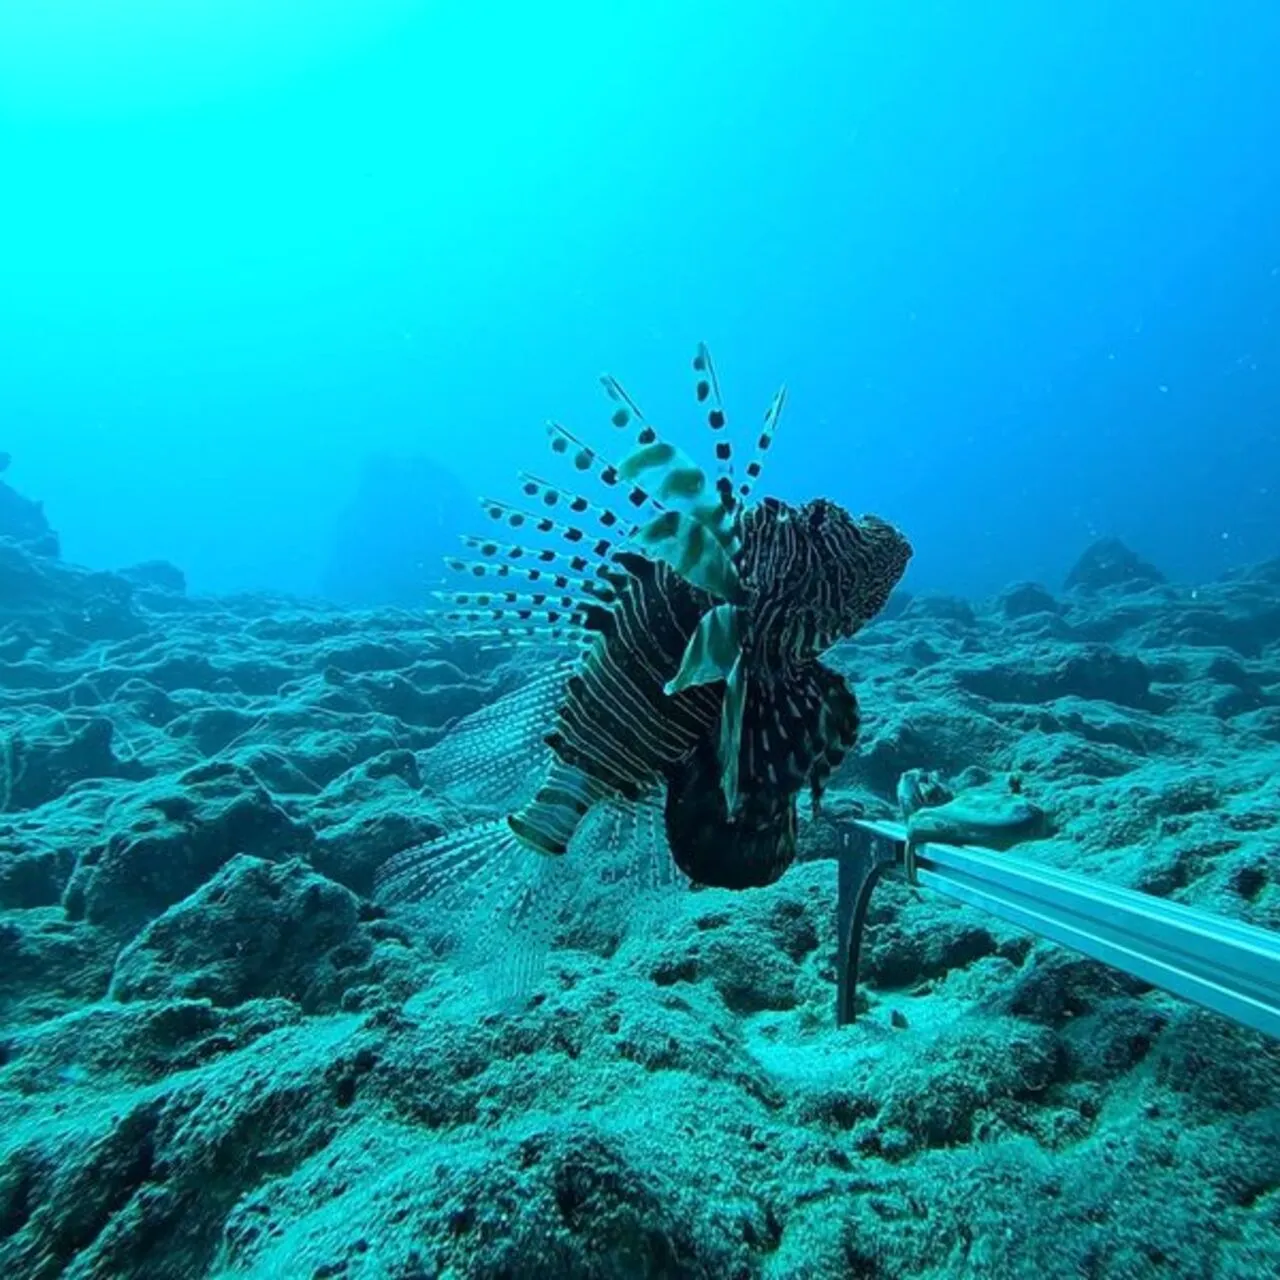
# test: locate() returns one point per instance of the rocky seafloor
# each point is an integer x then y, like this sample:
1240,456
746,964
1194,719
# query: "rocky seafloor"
218,1056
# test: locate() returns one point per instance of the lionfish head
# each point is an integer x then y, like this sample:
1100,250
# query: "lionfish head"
814,574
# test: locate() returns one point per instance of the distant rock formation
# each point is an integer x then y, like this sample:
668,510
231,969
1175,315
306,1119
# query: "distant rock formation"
23,520
1109,563
1024,599
390,541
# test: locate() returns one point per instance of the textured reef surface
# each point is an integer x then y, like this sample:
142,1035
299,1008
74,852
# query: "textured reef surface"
219,1057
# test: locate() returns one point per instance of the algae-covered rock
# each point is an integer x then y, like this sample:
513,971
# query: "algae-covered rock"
256,930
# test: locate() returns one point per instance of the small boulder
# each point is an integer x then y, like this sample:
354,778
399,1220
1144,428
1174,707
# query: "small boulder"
1025,599
1109,563
258,929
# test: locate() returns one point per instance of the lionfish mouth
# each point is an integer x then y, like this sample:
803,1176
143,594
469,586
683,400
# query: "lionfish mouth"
688,622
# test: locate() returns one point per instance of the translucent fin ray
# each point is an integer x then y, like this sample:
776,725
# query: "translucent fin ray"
496,755
555,570
550,625
509,899
629,841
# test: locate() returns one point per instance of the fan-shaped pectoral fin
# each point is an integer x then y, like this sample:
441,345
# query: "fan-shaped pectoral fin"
694,548
712,652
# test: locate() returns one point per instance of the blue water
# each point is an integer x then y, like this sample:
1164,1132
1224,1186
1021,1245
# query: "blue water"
1018,263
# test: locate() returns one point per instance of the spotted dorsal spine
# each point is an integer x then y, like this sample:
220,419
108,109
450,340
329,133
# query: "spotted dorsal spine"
763,443
706,390
586,459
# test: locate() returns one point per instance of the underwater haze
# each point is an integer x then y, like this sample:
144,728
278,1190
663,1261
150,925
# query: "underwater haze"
534,929
1017,264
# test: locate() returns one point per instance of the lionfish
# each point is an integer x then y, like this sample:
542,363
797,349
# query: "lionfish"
695,620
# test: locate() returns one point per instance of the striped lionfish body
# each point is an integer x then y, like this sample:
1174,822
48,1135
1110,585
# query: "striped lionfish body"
696,625
812,576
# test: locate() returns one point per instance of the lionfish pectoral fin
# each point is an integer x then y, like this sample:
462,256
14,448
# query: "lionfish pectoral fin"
496,754
694,551
712,650
731,716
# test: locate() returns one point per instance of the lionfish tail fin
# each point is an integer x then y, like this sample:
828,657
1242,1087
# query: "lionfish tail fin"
506,899
444,871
